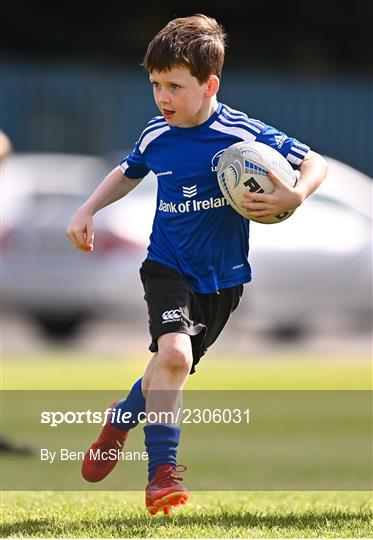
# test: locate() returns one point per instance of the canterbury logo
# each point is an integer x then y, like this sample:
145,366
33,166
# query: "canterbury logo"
171,315
189,191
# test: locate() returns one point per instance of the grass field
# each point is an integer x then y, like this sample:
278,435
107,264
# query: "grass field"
211,515
208,514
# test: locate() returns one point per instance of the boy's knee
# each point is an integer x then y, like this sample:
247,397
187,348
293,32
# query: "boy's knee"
176,354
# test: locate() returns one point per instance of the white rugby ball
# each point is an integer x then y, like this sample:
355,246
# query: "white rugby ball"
244,167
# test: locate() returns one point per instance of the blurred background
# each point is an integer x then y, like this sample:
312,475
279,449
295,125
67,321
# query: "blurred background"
74,98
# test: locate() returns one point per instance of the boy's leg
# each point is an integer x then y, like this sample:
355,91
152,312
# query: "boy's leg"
164,399
114,434
148,374
170,367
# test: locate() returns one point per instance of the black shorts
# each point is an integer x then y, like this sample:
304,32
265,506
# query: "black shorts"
174,307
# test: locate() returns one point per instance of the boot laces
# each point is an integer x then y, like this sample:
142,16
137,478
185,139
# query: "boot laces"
164,480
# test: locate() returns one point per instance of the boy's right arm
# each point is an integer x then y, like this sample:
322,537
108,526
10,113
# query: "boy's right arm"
80,232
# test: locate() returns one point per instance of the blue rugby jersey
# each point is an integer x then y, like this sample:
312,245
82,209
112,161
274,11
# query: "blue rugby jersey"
195,231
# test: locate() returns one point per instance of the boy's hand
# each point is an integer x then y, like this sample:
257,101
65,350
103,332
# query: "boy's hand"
80,231
284,198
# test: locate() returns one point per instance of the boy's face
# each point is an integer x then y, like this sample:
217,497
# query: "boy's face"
180,97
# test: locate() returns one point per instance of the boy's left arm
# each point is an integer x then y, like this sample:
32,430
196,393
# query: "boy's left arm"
284,198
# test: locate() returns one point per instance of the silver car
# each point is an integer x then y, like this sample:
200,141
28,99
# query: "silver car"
42,274
314,271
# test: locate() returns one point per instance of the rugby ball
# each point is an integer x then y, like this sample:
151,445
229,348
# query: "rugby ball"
244,167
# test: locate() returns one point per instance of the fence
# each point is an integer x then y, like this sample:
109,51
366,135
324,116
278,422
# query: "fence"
85,108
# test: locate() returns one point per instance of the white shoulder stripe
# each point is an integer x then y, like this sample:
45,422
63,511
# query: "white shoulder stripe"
235,131
151,128
235,116
257,123
151,136
155,119
232,111
241,121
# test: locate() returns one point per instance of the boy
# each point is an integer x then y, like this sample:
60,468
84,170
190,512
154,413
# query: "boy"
197,264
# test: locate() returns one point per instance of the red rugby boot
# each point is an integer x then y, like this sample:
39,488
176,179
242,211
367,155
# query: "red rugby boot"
164,490
98,462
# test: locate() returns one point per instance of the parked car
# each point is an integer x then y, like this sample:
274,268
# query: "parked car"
310,270
44,276
315,269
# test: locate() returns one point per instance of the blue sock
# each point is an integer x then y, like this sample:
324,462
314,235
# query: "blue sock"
161,443
134,403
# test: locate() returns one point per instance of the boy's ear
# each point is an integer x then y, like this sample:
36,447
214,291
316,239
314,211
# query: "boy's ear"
213,84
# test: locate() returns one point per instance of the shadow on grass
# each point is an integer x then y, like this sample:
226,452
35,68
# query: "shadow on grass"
221,523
